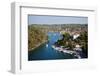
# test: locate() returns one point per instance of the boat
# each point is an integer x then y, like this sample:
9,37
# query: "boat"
46,45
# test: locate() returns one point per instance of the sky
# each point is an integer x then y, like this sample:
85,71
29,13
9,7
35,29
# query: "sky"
36,19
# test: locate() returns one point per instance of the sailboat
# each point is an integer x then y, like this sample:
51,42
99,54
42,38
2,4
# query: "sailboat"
46,45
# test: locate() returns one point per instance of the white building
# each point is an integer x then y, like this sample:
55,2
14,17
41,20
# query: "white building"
76,36
78,48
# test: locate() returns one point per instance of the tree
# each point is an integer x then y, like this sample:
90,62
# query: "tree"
66,36
35,36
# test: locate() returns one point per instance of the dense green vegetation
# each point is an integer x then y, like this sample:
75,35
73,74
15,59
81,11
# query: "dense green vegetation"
35,37
83,40
68,42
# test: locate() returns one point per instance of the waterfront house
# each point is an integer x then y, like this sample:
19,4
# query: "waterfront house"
75,36
78,48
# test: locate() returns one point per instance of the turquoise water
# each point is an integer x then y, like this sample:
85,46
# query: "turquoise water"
48,53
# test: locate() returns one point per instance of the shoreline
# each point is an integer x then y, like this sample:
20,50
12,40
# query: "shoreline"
37,46
66,51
